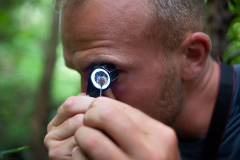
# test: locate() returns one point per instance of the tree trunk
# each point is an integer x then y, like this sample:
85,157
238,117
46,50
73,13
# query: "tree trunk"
218,22
39,123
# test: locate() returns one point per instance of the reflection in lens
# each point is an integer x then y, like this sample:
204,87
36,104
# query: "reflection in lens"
101,78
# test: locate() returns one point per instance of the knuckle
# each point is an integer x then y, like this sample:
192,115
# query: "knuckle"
77,120
46,140
49,127
68,104
168,133
171,136
108,114
55,152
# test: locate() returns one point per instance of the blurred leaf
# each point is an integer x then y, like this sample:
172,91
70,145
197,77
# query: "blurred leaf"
12,151
233,36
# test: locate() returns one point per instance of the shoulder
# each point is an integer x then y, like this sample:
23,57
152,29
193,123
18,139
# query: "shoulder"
237,76
237,68
237,84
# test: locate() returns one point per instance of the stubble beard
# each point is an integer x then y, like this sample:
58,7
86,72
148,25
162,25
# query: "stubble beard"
170,101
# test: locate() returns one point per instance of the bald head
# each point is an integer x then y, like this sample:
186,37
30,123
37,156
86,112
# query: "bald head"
170,21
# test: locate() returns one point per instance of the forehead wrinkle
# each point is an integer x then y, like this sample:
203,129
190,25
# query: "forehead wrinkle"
87,24
85,62
108,17
87,44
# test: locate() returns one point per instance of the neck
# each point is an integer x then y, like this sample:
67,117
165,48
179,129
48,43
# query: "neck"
199,101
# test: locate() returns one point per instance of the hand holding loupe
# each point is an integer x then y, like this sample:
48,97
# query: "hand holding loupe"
101,78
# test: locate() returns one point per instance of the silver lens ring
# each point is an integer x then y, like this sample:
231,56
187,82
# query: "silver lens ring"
93,78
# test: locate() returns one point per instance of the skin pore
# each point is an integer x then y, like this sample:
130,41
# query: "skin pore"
178,90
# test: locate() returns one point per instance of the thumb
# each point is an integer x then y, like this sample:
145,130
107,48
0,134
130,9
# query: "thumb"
81,94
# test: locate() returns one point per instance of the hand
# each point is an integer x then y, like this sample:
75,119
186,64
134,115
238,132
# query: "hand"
60,138
115,131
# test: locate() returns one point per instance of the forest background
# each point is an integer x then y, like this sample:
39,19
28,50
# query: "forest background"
34,80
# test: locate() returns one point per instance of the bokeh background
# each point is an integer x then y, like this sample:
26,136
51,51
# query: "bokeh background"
34,80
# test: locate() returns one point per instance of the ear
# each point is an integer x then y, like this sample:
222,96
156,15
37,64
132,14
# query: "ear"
196,49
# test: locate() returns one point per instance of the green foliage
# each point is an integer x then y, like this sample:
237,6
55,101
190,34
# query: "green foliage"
232,52
234,6
25,27
66,82
62,75
2,153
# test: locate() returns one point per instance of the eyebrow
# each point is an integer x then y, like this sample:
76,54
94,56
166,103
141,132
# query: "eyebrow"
87,66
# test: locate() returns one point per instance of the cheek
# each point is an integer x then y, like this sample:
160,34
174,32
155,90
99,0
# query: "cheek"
136,90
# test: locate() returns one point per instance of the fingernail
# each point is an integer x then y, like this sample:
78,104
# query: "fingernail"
74,149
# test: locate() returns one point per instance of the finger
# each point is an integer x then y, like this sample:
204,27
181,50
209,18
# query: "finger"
67,128
97,146
82,94
71,107
130,128
138,117
77,154
61,149
114,122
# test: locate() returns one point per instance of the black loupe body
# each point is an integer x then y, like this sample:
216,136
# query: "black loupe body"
101,78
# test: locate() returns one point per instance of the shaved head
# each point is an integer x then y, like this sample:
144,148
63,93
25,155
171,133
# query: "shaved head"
174,20
171,20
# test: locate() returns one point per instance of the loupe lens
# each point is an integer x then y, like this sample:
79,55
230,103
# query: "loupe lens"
101,77
100,74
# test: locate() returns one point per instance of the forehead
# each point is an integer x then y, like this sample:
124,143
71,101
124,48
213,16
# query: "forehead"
90,18
105,31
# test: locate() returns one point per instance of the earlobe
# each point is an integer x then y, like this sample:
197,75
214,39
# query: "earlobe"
197,48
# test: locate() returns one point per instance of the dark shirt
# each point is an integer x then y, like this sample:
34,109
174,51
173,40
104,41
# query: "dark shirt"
230,145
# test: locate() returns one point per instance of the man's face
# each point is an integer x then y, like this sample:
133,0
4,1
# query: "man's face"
114,32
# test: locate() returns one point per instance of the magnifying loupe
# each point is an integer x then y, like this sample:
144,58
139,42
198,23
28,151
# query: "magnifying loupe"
101,78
